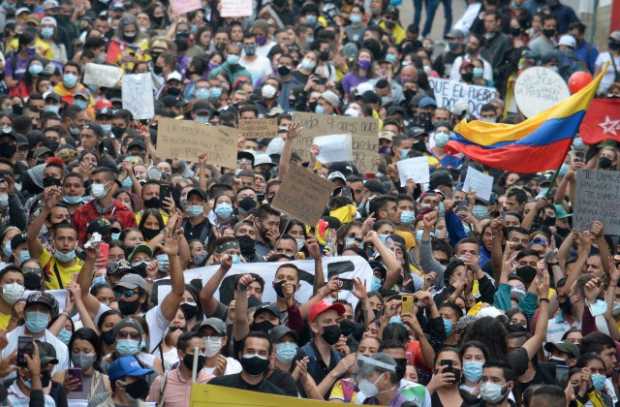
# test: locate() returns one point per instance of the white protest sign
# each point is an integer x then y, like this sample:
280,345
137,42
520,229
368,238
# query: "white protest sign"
236,8
478,182
180,7
415,168
448,92
334,148
99,75
138,95
537,89
348,267
597,197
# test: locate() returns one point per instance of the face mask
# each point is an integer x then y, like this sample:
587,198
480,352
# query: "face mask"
246,245
355,18
598,381
65,257
140,267
98,190
384,238
213,344
319,109
254,364
264,326
364,64
286,351
250,50
232,59
491,392
128,307
138,389
216,92
83,360
517,293
407,217
108,337
284,70
369,388
82,104
472,369
98,280
188,362
348,327
35,69
72,200
447,325
6,249
478,72
199,259
396,320
195,210
127,346
36,321
69,80
247,204
350,242
117,131
480,211
268,91
613,45
441,138
24,256
376,284
604,163
4,200
300,243
107,128
235,258
12,292
64,336
331,334
549,32
224,210
201,93
307,64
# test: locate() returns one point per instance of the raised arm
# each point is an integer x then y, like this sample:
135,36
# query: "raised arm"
315,252
533,344
388,257
241,325
170,246
294,130
598,232
51,198
208,303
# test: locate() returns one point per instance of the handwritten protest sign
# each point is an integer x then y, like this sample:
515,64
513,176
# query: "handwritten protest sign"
364,131
138,95
236,8
415,168
537,89
303,195
334,148
258,128
478,182
180,7
186,140
102,75
597,197
448,92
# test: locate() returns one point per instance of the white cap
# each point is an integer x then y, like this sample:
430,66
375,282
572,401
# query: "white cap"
568,40
174,76
275,146
262,158
49,21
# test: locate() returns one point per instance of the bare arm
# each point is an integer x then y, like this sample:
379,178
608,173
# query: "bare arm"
85,277
241,325
533,344
496,250
388,257
203,179
294,130
315,252
170,246
51,197
584,246
610,296
207,301
531,215
599,237
564,250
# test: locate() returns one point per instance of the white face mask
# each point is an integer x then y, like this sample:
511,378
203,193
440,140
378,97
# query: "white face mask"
12,292
213,344
268,91
98,190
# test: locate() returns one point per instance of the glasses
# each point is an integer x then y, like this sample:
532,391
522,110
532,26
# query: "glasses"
125,292
540,241
128,335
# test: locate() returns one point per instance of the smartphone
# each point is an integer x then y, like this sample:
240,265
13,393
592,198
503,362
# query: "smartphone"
449,368
50,182
25,346
561,373
345,284
407,304
580,155
75,373
164,191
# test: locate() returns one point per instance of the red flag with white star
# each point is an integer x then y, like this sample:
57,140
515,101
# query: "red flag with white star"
601,122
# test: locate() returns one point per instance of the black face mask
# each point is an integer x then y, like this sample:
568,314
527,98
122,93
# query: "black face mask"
157,70
7,150
138,389
188,362
549,221
149,234
32,281
264,326
284,70
548,32
254,365
181,42
247,246
324,55
401,367
117,131
526,273
277,286
467,76
51,144
108,337
604,163
331,334
347,326
189,310
139,269
247,204
516,328
152,203
128,307
46,376
613,45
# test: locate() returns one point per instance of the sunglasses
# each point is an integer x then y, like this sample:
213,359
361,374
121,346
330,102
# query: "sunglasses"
125,292
128,335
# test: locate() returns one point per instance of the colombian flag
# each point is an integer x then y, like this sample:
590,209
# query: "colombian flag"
537,144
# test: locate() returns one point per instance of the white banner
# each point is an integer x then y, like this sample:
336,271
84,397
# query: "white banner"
448,92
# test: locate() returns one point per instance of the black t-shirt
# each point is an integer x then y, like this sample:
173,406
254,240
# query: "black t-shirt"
237,382
284,381
545,374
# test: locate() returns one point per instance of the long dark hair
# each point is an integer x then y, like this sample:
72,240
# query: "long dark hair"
87,334
496,343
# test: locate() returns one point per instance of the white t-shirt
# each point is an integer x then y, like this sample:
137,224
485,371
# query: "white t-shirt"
260,68
455,74
608,79
232,367
16,398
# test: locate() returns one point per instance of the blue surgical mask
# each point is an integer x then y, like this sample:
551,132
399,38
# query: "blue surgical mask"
69,80
286,351
598,381
396,320
215,92
478,72
127,183
404,153
35,69
24,256
441,138
235,258
384,237
65,257
355,18
65,336
6,249
376,284
107,128
82,104
491,392
224,210
72,200
195,210
472,369
391,58
310,19
115,236
407,217
480,211
447,325
319,109
4,200
232,59
350,242
98,280
127,347
36,322
201,93
47,32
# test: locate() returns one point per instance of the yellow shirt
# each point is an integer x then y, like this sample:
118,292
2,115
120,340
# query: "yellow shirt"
41,47
164,216
49,264
4,321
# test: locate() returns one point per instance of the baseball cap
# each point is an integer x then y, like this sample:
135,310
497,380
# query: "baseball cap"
280,331
455,33
47,353
136,142
198,192
386,135
323,306
174,76
568,40
216,324
262,158
127,366
564,347
268,307
336,175
43,299
427,101
132,281
331,98
141,248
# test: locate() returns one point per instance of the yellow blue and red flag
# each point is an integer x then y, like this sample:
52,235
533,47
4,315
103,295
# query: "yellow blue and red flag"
539,143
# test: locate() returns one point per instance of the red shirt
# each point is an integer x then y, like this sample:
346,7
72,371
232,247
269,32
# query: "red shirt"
88,213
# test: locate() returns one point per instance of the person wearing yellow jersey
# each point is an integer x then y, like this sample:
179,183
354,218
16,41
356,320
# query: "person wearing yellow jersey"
151,199
12,282
61,264
70,85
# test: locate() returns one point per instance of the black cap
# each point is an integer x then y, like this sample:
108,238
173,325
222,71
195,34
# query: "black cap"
136,143
268,307
17,240
44,299
198,192
279,332
99,225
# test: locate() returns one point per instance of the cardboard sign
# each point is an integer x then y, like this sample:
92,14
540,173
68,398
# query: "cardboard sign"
597,197
99,75
415,168
138,95
303,195
537,89
334,148
478,182
448,92
186,140
364,131
258,128
180,7
236,8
